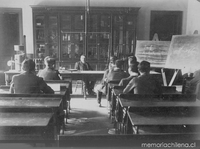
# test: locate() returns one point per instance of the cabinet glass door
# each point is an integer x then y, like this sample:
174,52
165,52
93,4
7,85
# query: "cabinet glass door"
130,34
92,46
104,48
98,37
72,36
118,36
53,37
72,45
40,36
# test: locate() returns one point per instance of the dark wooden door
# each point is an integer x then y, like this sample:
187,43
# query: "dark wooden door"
165,24
9,36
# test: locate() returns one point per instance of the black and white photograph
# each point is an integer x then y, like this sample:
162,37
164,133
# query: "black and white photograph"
102,74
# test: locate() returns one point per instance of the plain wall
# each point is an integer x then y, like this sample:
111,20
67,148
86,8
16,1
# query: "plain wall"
193,15
143,25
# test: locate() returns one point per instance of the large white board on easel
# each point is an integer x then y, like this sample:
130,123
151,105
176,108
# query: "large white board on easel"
154,52
184,52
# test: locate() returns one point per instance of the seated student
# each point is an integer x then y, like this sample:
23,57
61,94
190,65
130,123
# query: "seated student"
117,73
132,60
27,82
145,83
89,81
111,61
102,88
132,72
193,86
49,72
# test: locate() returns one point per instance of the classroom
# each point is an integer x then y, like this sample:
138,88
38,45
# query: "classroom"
99,73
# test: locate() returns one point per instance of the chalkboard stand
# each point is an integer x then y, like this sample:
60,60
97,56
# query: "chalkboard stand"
174,76
164,77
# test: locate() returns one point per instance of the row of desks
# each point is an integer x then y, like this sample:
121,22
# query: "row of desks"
72,74
38,116
31,113
175,110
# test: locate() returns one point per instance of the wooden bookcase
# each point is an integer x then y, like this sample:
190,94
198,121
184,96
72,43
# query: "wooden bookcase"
67,32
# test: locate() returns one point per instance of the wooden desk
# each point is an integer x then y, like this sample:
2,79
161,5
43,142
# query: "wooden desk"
166,102
9,74
26,123
25,119
79,75
160,119
64,94
62,87
63,91
40,103
154,104
35,103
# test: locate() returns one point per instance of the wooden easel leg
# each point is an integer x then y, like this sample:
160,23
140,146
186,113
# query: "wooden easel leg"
164,77
173,78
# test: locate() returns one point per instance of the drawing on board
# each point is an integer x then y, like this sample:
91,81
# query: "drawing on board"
154,52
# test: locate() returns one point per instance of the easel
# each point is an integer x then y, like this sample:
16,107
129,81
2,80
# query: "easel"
155,38
177,70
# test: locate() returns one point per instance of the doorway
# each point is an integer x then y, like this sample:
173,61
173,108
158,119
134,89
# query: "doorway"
10,33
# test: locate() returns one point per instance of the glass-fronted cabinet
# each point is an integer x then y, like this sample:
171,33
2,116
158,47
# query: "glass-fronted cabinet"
67,32
98,37
72,37
53,37
46,36
39,36
124,35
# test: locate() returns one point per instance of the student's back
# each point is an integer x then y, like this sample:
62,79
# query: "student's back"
145,83
117,73
49,73
27,82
